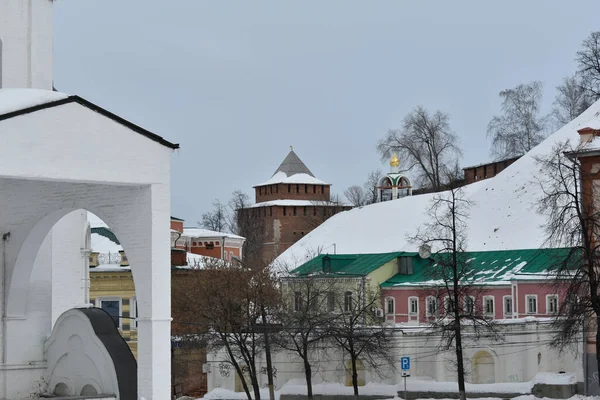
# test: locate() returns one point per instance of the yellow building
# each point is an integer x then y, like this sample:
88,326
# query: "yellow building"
111,283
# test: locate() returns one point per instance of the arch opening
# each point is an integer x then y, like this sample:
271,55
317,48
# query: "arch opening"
483,367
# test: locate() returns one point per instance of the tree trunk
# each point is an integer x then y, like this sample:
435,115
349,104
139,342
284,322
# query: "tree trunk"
597,343
308,376
459,361
354,378
268,357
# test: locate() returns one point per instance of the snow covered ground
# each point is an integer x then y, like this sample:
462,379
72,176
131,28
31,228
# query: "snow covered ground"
298,387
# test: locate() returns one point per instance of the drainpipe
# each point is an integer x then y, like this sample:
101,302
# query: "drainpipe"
4,296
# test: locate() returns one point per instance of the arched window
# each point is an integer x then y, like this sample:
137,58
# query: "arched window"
390,305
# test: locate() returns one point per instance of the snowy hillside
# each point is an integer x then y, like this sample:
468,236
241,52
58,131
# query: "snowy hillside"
503,216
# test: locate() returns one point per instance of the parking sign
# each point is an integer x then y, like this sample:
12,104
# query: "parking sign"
405,363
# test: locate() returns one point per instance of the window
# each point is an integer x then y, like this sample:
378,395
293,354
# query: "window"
294,211
284,211
289,188
305,211
133,312
271,189
297,188
348,301
271,211
508,305
112,305
297,301
469,305
305,188
324,211
210,246
531,301
431,306
488,305
551,304
390,306
276,188
314,303
331,301
322,189
448,305
413,305
314,188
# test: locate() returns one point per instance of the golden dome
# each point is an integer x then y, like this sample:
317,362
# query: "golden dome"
394,161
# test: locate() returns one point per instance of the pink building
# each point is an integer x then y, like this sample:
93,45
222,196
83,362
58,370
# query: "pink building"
505,284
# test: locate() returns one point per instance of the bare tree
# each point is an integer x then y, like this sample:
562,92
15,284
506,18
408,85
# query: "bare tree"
247,222
216,219
229,301
373,180
573,222
571,100
588,65
356,196
307,317
426,144
359,333
520,127
446,232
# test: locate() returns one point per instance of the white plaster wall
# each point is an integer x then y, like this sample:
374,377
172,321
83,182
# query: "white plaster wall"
26,35
93,148
67,262
517,362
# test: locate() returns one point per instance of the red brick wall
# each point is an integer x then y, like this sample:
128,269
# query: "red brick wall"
292,192
177,225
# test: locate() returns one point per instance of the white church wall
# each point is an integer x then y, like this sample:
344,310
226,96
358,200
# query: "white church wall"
23,23
68,241
523,354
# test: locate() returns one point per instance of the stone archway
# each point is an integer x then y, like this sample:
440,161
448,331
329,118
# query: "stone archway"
484,369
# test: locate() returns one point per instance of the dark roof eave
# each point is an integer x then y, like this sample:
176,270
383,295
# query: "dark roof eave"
96,108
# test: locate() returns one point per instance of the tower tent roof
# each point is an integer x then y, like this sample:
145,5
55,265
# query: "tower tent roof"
292,164
293,170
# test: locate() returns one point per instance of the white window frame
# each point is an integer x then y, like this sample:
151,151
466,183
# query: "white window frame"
410,299
348,304
537,306
133,323
297,301
472,298
512,306
447,304
387,301
485,312
99,301
548,297
427,300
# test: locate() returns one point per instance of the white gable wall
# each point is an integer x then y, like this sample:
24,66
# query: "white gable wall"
93,148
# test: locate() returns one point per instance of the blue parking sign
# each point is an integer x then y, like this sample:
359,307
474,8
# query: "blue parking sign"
405,362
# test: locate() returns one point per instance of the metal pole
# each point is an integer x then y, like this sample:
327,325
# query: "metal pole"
405,392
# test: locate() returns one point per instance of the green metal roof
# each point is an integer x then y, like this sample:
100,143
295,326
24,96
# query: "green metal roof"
490,267
348,264
107,233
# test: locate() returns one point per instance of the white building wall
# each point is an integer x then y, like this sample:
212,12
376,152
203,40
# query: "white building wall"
515,360
26,49
68,241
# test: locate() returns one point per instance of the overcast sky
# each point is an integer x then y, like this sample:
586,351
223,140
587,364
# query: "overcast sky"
237,82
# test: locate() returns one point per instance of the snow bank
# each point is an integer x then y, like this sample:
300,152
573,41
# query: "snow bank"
503,216
281,177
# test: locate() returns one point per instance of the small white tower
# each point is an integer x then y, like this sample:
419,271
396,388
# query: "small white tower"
394,185
26,44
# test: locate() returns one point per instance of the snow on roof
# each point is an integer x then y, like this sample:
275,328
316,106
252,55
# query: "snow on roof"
95,221
281,177
298,203
19,99
206,233
102,244
503,216
196,261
